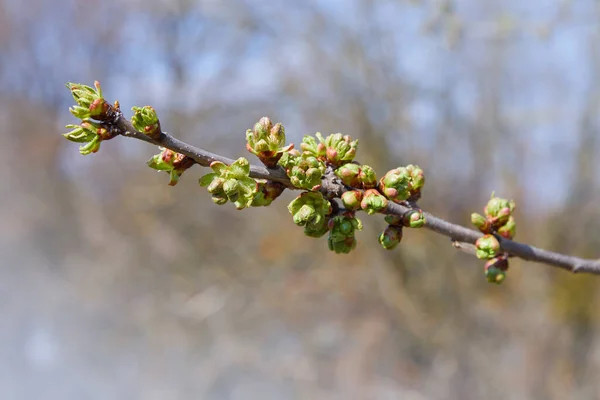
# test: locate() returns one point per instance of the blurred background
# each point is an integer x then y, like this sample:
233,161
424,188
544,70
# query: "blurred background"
117,286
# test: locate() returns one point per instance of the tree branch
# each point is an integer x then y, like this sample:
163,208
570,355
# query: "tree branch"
453,231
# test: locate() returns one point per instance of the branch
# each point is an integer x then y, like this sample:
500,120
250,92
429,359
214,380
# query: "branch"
201,157
325,170
455,232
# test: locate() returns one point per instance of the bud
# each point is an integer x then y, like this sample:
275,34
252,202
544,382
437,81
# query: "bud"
509,229
146,121
395,184
171,162
414,219
310,147
498,211
487,247
349,174
373,202
351,199
231,183
309,208
267,192
417,179
267,142
495,275
342,228
231,187
339,149
395,220
316,230
390,237
89,101
98,109
495,269
367,177
306,173
481,223
216,186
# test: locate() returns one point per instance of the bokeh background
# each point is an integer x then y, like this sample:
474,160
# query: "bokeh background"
116,286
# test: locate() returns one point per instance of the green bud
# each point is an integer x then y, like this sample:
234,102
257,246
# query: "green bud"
339,149
509,229
396,184
305,173
146,121
395,220
344,246
289,158
341,237
495,269
232,183
487,247
309,208
173,163
417,179
316,230
89,101
349,174
481,223
98,108
367,177
390,237
86,132
89,132
163,161
414,219
267,192
216,187
219,199
310,147
373,202
498,210
231,187
267,142
351,199
495,275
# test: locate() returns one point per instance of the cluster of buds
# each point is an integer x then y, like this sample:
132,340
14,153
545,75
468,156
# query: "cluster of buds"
403,183
342,230
498,218
336,149
392,234
231,183
146,121
310,210
370,201
267,142
89,105
304,171
357,176
171,162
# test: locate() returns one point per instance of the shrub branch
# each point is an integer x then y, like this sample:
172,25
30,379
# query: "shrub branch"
331,159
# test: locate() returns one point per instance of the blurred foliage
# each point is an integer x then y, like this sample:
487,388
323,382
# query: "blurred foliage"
117,286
